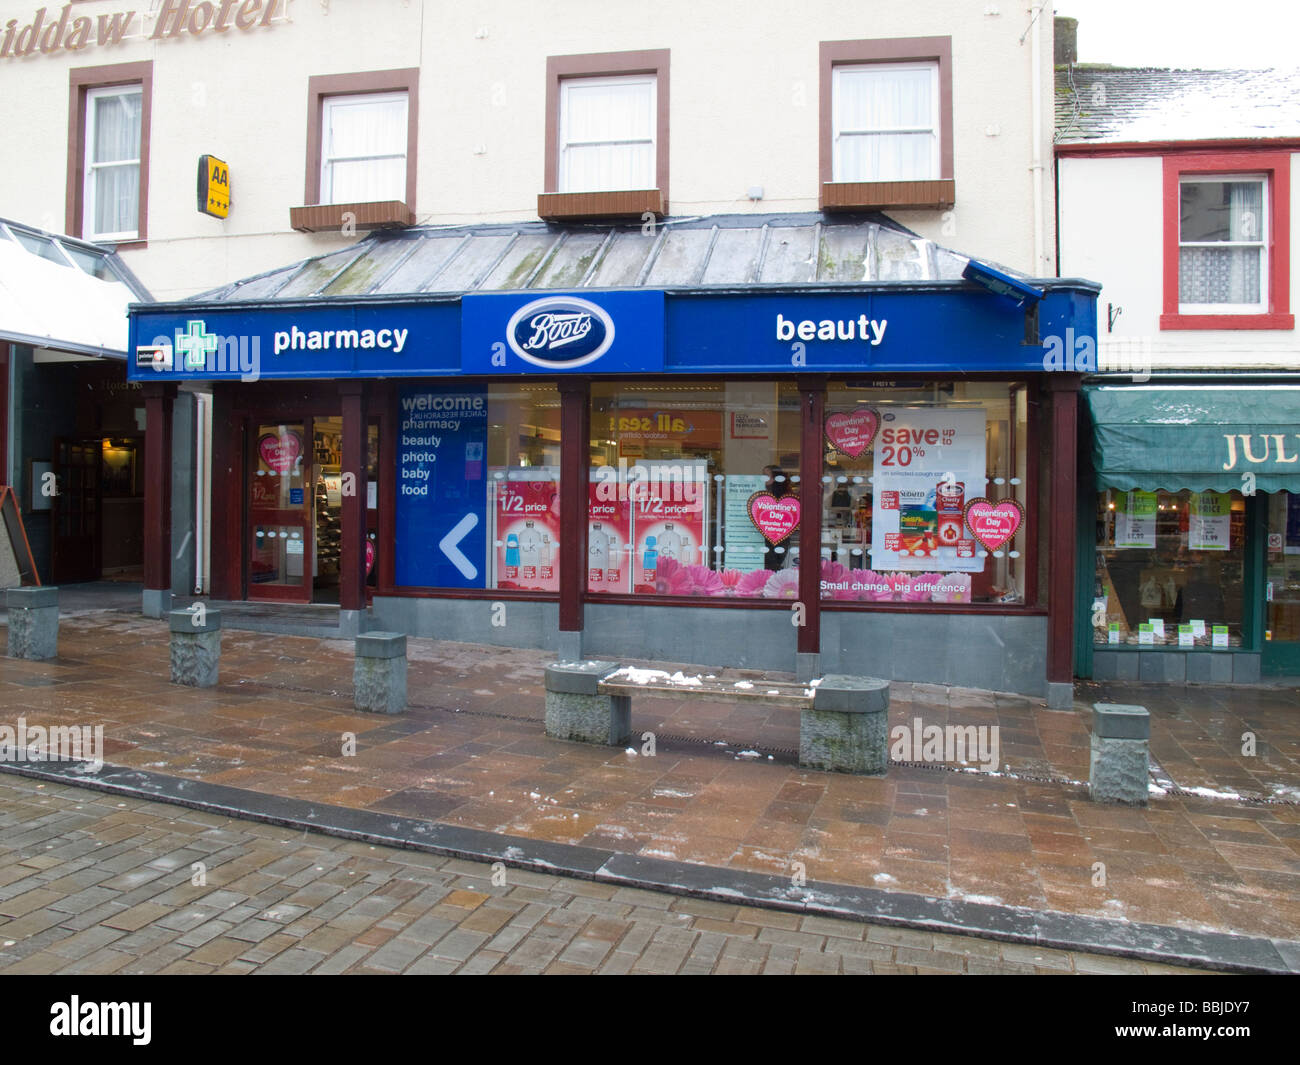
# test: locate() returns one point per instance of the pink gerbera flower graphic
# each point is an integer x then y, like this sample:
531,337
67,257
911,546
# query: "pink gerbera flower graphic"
753,583
783,584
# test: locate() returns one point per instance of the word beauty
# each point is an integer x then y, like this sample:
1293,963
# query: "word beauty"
851,432
774,518
321,339
49,35
993,524
859,328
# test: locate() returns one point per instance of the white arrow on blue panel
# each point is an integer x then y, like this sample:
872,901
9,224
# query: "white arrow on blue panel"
447,545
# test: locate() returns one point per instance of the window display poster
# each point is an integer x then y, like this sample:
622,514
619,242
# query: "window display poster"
928,463
1135,519
1209,524
609,541
525,507
744,546
441,531
670,512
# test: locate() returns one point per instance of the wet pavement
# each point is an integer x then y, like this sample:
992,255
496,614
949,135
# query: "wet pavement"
723,788
90,884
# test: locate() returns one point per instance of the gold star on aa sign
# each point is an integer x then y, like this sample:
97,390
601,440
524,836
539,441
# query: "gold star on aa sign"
214,186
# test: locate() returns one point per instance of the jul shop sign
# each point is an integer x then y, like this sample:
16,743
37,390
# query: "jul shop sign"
48,33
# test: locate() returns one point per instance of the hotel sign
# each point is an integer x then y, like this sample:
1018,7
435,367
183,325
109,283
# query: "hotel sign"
53,29
214,186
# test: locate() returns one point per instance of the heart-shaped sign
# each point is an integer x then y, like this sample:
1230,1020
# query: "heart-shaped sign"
775,518
280,452
851,432
993,524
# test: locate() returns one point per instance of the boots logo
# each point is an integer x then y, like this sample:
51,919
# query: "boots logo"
560,332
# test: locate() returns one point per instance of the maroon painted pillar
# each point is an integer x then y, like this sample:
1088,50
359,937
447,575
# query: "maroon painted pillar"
812,402
158,498
352,557
575,449
1063,394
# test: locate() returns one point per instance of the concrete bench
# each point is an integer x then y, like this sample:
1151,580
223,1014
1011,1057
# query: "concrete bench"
33,622
843,721
1118,766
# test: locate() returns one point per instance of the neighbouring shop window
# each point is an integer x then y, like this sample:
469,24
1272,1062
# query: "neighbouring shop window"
478,483
694,489
924,493
1169,569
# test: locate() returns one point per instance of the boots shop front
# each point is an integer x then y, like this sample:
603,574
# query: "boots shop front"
790,444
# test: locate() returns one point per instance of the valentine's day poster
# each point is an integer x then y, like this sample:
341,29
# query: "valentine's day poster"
928,463
525,508
609,541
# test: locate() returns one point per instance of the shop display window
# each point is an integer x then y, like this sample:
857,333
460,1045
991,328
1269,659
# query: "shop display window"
694,489
924,493
478,487
1169,569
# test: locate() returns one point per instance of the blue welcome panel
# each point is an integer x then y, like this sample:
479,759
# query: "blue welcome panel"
441,533
357,340
592,332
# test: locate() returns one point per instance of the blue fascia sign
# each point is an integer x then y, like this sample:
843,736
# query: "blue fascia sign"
939,329
605,332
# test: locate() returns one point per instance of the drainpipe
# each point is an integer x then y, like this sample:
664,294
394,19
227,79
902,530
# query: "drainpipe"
1036,166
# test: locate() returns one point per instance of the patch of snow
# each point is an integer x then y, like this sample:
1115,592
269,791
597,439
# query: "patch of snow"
534,796
987,900
1158,792
1210,793
746,684
884,878
749,754
655,852
773,691
920,813
630,750
673,793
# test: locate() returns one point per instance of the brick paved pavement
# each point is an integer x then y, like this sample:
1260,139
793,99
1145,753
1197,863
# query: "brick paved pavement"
91,883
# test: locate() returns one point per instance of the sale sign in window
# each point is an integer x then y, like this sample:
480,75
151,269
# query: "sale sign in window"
928,464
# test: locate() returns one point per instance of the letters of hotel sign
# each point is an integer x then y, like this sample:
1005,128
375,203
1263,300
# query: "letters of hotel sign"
53,28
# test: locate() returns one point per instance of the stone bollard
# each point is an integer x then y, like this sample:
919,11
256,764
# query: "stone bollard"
847,727
33,622
379,673
195,647
1118,769
577,710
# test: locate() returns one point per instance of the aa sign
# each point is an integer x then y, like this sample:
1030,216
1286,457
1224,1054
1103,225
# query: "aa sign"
214,186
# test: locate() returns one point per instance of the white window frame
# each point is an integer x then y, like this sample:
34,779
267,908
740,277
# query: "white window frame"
1262,306
935,129
89,178
561,130
326,159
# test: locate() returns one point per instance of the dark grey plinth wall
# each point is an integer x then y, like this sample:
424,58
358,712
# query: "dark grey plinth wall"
527,624
1177,667
998,652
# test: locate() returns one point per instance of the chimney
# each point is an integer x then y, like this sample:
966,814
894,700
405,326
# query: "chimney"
1066,33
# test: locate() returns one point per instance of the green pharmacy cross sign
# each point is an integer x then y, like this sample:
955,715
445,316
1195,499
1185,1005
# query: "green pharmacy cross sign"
196,344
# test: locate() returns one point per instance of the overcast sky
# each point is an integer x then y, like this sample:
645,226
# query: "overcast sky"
1208,34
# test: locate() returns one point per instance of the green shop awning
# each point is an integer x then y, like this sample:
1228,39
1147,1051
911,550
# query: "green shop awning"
1198,437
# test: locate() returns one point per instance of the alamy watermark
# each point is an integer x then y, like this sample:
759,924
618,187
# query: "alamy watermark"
57,743
919,742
